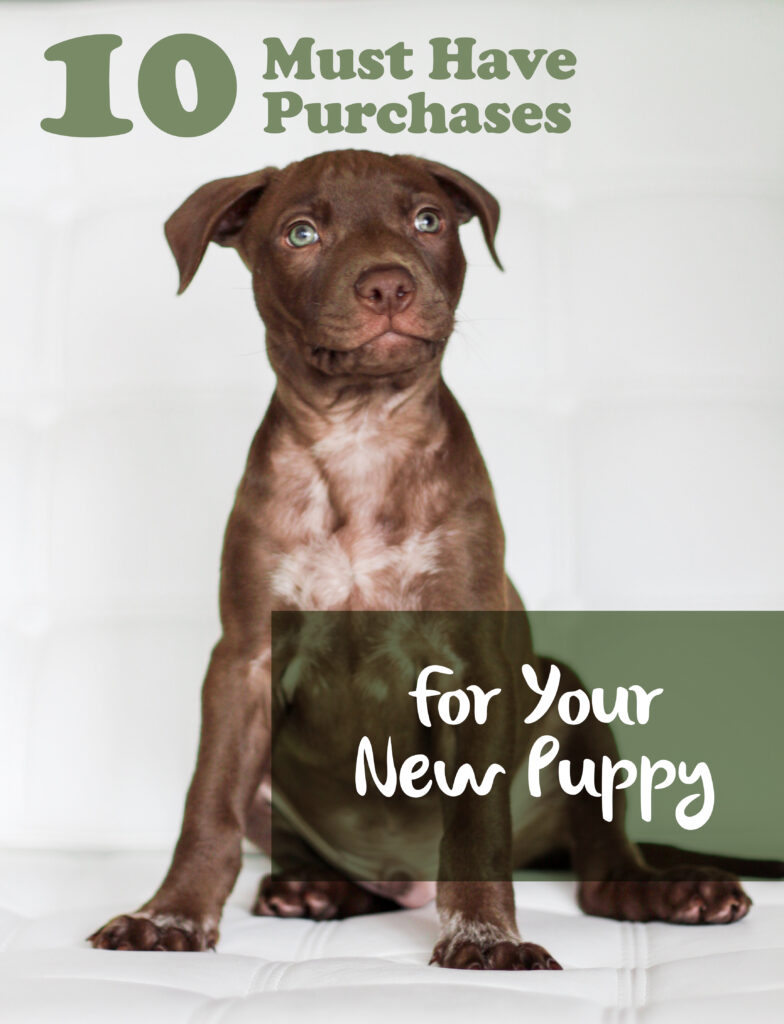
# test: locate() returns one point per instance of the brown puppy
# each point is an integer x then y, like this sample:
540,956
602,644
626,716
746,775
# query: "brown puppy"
365,490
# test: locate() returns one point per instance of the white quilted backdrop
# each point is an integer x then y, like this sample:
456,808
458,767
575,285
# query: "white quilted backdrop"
624,376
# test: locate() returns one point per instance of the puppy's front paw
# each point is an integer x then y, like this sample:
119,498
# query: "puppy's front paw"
481,946
143,931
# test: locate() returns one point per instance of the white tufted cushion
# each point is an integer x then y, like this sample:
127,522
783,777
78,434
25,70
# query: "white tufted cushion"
365,969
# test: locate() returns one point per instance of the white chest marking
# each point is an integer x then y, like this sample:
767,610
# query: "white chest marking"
355,565
324,573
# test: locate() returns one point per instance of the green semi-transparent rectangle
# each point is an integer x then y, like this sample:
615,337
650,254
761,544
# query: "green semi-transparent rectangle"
721,675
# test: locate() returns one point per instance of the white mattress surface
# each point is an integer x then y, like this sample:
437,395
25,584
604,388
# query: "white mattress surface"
369,968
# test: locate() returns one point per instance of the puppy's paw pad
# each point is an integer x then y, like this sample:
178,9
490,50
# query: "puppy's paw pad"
467,954
281,897
709,901
287,895
678,896
520,956
153,932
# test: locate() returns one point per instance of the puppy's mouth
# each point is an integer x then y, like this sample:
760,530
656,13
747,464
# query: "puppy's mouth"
386,353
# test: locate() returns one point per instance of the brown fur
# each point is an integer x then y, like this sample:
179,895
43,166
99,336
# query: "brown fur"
364,489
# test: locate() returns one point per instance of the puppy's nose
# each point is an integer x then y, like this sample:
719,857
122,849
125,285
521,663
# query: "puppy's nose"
387,290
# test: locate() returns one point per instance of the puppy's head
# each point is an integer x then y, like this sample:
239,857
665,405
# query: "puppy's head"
355,256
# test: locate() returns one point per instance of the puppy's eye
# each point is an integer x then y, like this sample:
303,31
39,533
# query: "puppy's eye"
302,234
427,221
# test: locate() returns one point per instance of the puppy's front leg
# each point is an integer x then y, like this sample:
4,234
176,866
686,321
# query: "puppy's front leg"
478,926
234,747
474,895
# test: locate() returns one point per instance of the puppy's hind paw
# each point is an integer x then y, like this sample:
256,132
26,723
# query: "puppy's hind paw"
317,900
679,896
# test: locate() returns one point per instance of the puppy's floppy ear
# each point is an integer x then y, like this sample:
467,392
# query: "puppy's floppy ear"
469,198
216,212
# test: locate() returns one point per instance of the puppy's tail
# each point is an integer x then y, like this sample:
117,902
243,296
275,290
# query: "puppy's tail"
660,856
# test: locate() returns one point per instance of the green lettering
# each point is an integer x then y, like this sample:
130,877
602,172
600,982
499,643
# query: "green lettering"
525,62
301,55
494,64
527,118
215,81
497,120
333,122
279,106
397,54
355,112
435,111
558,121
371,64
559,61
87,112
442,57
345,68
465,119
384,118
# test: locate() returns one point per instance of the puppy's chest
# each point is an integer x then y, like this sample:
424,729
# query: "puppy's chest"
340,552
